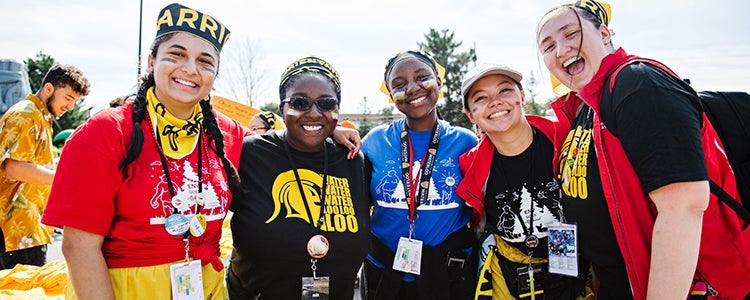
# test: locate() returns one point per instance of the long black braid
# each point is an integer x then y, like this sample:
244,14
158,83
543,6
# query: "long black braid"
209,123
212,127
139,112
139,109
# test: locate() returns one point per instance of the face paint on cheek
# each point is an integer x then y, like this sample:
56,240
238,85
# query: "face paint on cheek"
335,115
429,83
293,112
398,96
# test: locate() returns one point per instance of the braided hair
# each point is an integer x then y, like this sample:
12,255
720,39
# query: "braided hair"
212,127
209,123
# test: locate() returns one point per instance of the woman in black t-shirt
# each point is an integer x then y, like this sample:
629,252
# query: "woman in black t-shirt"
634,166
301,228
509,174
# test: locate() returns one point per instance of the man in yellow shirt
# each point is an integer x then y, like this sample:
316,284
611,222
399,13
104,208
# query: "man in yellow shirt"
26,165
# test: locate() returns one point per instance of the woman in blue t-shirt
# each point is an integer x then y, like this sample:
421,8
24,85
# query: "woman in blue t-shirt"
422,241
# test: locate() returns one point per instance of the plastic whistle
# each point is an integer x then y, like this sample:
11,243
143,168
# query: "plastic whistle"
531,283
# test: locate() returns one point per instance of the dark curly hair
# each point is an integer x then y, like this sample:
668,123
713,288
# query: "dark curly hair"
61,76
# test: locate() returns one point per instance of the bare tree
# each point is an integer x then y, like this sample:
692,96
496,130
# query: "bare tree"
242,76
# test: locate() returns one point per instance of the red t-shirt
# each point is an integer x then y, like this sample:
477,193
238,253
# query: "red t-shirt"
91,193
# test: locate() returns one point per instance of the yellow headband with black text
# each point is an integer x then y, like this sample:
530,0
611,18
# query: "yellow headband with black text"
311,64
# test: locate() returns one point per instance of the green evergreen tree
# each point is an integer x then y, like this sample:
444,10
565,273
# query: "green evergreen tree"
38,67
387,113
272,107
444,48
535,105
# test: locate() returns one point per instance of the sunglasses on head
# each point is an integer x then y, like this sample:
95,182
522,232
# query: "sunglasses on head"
304,104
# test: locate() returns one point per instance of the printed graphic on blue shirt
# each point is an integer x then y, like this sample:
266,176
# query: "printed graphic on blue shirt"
391,188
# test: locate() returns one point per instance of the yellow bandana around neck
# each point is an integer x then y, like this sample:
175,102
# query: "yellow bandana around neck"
176,137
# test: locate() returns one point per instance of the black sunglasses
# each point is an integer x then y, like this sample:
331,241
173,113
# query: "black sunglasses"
304,104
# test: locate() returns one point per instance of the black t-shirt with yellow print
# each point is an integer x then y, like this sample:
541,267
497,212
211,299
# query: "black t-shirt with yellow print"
584,204
271,224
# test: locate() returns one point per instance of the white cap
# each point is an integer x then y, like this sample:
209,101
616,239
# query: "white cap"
482,70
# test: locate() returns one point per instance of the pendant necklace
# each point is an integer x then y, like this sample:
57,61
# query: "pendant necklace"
317,245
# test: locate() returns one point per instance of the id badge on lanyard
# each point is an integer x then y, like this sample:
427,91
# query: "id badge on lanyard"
408,257
563,249
187,280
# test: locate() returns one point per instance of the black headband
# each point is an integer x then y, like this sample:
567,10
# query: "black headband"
310,64
176,17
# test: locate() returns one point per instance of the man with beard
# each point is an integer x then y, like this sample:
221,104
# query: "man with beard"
26,165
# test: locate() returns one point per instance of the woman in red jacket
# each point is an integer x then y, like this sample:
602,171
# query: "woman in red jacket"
634,168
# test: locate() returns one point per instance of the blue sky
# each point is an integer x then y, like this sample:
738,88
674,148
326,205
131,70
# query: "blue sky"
706,42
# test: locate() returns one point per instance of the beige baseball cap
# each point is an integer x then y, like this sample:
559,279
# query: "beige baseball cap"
482,70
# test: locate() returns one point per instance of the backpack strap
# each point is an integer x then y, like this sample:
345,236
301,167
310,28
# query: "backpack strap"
632,60
727,199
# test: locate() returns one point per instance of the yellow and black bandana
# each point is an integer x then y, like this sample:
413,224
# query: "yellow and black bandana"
311,64
601,10
421,55
176,17
176,137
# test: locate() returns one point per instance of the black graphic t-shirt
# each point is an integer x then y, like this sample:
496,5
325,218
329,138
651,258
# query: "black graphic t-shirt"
584,203
272,222
515,185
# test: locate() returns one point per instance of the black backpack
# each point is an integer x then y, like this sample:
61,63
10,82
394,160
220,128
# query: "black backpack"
729,114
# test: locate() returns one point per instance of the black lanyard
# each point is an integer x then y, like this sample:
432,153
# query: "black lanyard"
316,228
530,240
415,196
165,168
529,231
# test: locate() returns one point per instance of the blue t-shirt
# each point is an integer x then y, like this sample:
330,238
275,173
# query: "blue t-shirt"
444,212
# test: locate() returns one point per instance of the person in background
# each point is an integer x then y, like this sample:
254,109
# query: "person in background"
121,100
27,165
265,121
511,187
301,225
415,173
634,168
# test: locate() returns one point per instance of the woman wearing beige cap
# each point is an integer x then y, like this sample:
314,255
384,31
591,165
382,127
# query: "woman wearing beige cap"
510,184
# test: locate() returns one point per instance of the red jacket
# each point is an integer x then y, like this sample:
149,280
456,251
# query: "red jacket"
724,259
475,165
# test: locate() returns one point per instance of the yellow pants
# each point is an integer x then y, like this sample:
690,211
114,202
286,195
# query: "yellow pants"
153,282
